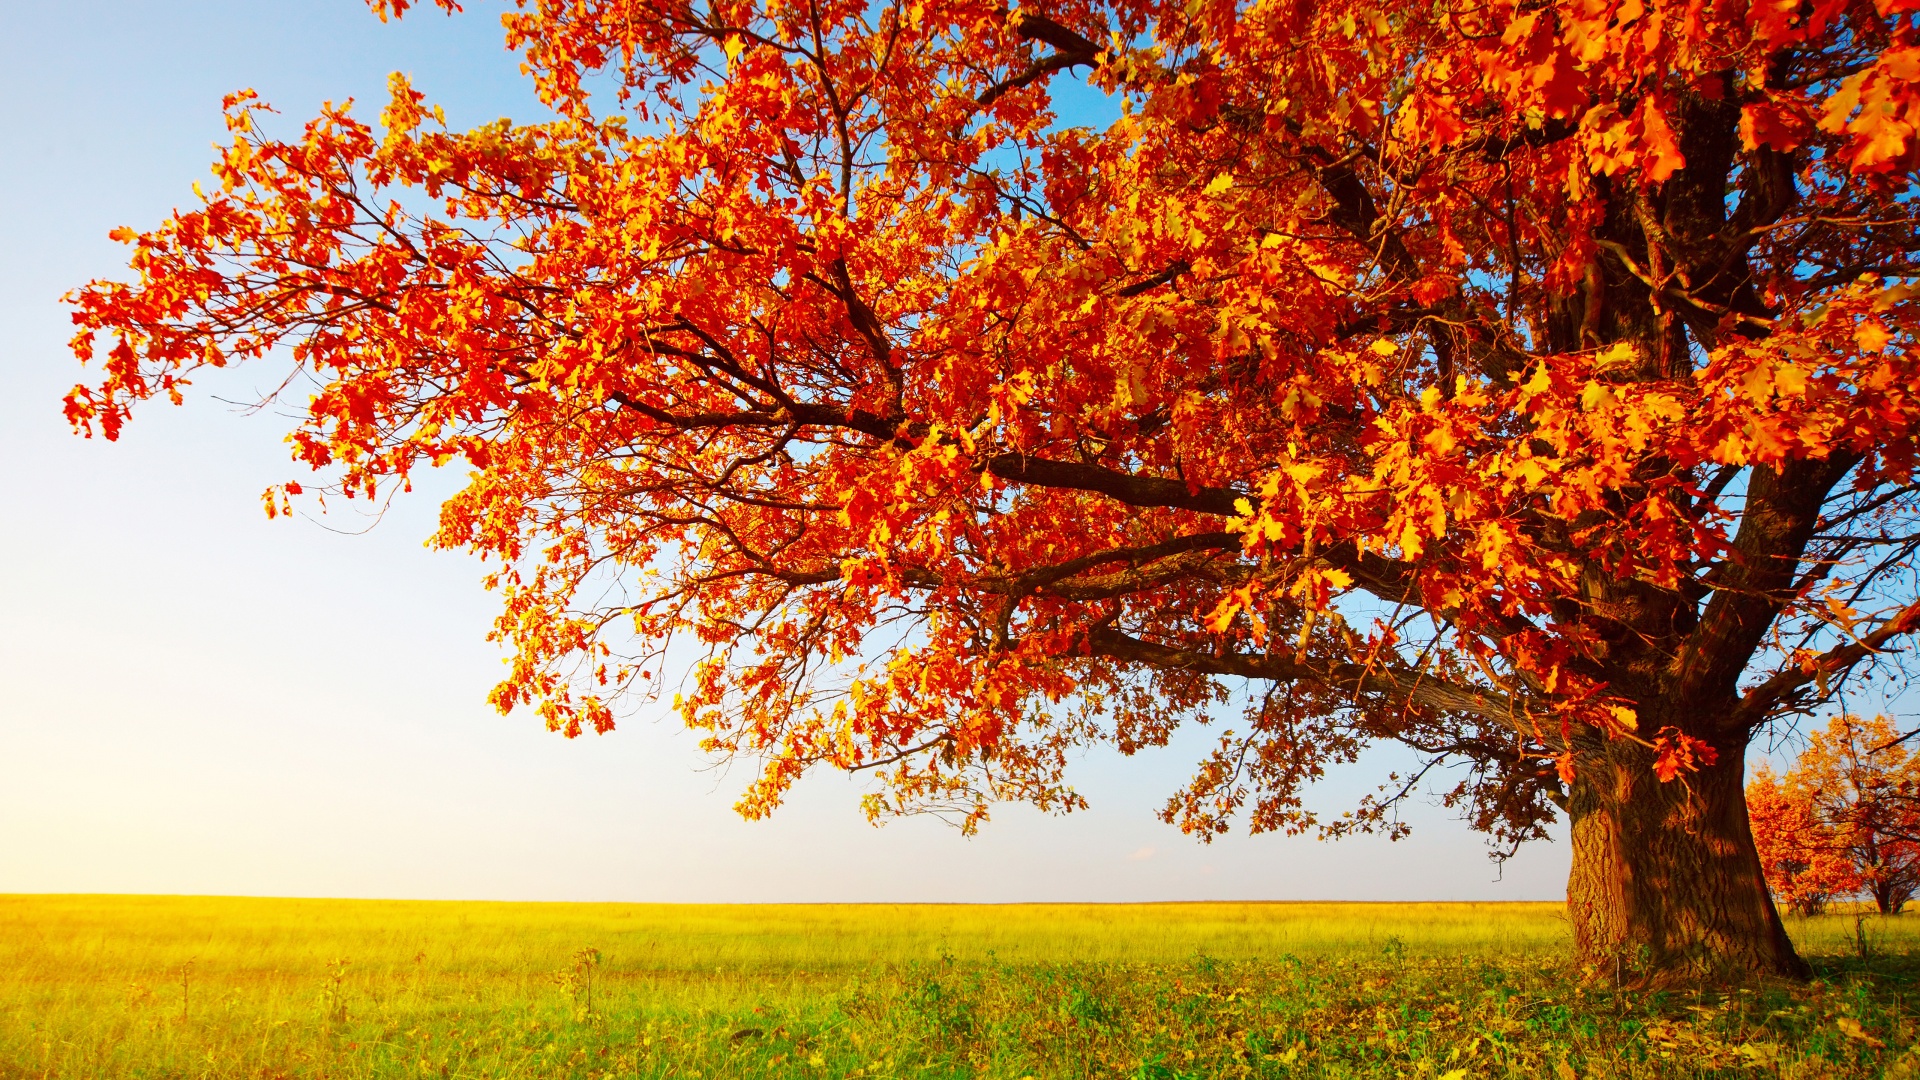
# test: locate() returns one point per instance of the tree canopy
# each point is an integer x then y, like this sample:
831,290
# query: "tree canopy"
1845,820
1805,858
1529,384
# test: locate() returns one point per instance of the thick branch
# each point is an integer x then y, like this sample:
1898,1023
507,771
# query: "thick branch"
1418,689
1074,51
1046,576
1756,582
1126,487
1759,701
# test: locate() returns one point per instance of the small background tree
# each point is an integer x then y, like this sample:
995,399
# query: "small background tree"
1844,820
1806,864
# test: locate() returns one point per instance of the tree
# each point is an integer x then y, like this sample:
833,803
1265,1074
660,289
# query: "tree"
1859,789
1806,863
1531,385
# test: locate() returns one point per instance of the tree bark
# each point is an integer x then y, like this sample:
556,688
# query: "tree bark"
1666,883
1890,897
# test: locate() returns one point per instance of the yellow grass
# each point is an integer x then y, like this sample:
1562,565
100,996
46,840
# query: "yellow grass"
144,936
179,986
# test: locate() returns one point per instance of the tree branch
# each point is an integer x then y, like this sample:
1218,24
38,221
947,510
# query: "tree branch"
1755,583
1074,51
1408,686
1758,702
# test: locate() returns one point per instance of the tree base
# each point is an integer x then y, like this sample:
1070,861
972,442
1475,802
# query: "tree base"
1666,886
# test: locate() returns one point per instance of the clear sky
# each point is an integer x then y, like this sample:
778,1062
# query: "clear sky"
194,699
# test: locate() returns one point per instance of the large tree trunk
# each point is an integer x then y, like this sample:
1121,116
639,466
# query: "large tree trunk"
1666,883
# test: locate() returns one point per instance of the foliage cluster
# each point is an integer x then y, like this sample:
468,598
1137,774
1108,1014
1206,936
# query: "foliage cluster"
818,330
89,988
1844,821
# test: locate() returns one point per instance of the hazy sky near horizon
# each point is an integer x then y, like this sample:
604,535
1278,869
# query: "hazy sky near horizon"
194,699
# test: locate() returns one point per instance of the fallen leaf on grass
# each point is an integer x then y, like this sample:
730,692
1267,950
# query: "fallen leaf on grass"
1851,1029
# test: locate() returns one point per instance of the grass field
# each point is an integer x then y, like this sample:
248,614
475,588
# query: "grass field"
115,986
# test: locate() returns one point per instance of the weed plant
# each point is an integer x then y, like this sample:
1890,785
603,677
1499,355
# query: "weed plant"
187,987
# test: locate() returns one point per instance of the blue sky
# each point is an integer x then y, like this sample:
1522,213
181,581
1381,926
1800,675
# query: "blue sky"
198,700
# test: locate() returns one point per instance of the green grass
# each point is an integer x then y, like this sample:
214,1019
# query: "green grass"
116,986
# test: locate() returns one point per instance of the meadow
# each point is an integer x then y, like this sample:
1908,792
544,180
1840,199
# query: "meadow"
117,986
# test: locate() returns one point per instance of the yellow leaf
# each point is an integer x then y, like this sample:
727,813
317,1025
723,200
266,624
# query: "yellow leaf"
1411,542
1619,354
1222,615
1871,337
1219,184
1539,383
1790,380
1851,1029
1384,347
